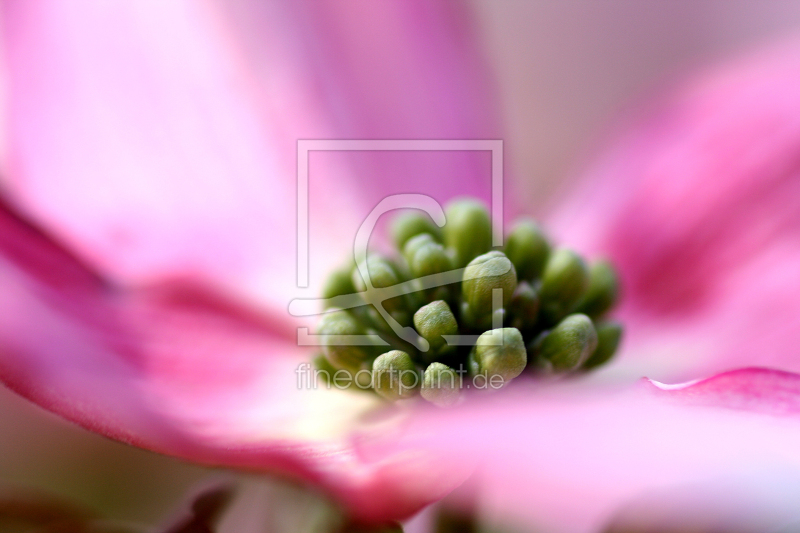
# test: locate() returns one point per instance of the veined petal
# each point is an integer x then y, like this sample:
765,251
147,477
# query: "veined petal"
140,139
384,70
568,458
161,140
181,371
699,207
133,139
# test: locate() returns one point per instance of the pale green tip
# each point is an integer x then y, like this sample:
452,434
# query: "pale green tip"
564,283
498,352
434,320
426,257
568,344
468,231
441,385
341,357
485,273
414,243
524,307
609,335
383,273
339,282
408,225
603,290
394,375
528,249
379,270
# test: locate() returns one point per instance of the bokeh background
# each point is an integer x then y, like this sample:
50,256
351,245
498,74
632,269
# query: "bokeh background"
567,74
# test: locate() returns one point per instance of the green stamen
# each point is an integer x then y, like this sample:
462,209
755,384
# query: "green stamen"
342,357
568,344
482,276
603,290
523,307
608,336
500,353
441,385
434,320
528,249
409,225
339,283
382,274
377,270
472,308
564,282
468,231
394,375
425,257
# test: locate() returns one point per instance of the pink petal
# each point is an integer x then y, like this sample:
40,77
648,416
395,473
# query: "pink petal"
140,139
133,138
568,457
182,371
700,208
384,70
156,143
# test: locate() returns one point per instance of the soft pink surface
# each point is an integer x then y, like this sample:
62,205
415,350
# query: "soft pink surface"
158,144
157,140
566,457
699,206
160,148
179,370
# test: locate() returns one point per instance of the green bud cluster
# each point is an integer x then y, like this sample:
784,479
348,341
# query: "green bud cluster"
480,316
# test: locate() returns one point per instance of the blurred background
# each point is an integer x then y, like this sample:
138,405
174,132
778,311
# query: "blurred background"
566,73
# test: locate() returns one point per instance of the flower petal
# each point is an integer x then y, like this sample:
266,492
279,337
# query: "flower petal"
568,457
133,139
385,70
180,370
140,140
699,206
155,143
758,390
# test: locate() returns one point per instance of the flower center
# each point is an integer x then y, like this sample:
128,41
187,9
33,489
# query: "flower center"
448,312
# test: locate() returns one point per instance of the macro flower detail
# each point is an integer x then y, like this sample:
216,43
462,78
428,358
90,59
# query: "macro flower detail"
477,314
146,260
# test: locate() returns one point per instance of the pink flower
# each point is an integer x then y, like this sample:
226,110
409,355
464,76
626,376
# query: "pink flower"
149,189
155,149
699,207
